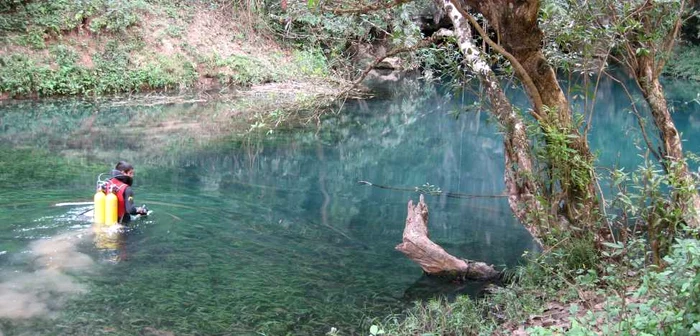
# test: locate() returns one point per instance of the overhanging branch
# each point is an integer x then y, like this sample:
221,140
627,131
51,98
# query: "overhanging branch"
393,52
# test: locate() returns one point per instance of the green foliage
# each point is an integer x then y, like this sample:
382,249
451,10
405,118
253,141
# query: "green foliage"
16,74
445,64
42,18
117,16
481,316
33,23
241,70
121,63
665,302
579,255
568,167
342,37
578,35
646,206
20,75
565,173
568,45
311,62
685,63
440,317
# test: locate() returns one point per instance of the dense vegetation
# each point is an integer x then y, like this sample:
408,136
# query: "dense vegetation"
99,47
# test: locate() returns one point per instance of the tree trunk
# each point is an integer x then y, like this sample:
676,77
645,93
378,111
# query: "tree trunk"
686,195
519,174
516,26
432,258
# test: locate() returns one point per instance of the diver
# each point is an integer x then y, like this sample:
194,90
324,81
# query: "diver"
122,178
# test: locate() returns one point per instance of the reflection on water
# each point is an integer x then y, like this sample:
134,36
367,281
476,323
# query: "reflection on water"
109,240
272,233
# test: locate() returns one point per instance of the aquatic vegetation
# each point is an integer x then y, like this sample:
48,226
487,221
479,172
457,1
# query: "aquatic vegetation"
263,234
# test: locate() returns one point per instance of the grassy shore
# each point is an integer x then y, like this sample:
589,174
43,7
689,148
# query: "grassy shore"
50,48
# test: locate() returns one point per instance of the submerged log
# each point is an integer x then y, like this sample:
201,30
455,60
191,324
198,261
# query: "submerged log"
431,257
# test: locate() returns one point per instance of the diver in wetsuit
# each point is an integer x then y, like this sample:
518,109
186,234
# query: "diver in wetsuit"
122,178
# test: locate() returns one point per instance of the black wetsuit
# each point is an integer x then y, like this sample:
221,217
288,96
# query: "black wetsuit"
129,208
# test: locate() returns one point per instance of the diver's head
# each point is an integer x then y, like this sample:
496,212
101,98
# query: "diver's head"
125,168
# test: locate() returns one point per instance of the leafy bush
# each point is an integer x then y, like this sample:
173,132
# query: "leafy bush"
117,16
665,303
685,63
112,73
34,20
310,25
311,62
17,74
240,70
644,207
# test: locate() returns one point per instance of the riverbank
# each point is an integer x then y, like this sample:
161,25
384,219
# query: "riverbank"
624,297
64,49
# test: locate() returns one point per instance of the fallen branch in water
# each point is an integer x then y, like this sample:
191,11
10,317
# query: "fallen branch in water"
431,257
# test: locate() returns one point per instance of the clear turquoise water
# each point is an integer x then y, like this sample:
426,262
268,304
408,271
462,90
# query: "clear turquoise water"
266,234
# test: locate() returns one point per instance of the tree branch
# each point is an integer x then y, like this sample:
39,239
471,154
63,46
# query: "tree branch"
421,44
529,85
595,92
670,40
431,257
636,113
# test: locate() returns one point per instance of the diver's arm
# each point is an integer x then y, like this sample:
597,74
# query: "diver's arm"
129,202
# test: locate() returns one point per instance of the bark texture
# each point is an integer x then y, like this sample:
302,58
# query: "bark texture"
519,168
517,30
672,151
432,258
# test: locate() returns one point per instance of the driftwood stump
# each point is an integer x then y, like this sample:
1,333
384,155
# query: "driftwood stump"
432,258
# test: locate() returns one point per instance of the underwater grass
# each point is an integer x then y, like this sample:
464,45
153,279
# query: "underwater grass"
273,235
207,281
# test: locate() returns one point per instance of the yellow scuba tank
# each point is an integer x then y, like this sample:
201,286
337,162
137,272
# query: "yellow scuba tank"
111,212
99,202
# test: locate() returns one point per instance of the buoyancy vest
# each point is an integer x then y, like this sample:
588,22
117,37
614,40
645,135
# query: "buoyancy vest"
119,187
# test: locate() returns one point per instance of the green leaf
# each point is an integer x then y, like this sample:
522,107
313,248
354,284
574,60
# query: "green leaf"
614,245
642,51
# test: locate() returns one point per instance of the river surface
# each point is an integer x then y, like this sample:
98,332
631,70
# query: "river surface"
267,233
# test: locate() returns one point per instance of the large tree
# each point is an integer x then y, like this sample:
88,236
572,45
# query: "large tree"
570,187
553,193
642,34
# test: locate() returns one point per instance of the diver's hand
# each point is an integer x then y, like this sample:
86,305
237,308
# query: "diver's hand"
142,210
